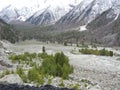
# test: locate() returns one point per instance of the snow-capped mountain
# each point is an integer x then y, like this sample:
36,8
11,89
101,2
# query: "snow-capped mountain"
28,8
42,17
48,15
68,13
9,13
100,19
87,11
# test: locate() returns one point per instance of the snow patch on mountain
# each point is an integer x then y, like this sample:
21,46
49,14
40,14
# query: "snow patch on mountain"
83,28
9,13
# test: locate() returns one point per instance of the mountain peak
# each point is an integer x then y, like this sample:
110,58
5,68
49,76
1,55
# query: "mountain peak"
87,11
25,9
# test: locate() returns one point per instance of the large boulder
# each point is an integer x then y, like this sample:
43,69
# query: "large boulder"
97,87
11,79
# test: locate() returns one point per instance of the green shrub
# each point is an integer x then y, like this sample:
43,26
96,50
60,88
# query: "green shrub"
12,72
2,75
75,86
57,65
21,73
49,80
35,76
23,58
41,79
61,83
65,43
54,65
111,53
13,57
43,55
101,52
7,72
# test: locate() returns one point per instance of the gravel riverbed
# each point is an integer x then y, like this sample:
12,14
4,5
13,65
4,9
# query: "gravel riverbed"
99,70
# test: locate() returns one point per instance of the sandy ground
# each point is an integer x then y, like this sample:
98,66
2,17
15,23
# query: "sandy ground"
104,71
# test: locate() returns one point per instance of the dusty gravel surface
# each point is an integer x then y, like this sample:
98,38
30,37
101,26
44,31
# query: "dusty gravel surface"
101,70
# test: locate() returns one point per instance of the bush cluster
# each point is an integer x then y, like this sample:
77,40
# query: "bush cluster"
102,52
53,65
22,74
35,76
57,65
26,57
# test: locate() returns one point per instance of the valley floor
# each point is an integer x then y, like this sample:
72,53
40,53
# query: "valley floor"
103,71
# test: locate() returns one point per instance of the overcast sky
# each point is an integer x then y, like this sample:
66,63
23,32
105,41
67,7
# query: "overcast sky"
21,3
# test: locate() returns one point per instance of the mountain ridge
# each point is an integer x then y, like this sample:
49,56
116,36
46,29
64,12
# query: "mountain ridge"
87,11
27,11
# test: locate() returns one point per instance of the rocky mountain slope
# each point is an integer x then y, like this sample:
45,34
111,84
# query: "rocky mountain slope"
105,28
100,17
105,31
7,33
42,17
87,11
9,13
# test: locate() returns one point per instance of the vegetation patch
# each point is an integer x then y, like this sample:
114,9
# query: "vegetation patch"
102,52
23,58
57,65
50,65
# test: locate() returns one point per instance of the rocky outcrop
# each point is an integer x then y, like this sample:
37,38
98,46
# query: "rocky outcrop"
12,78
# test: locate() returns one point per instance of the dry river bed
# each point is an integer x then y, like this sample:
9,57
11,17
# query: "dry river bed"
101,70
